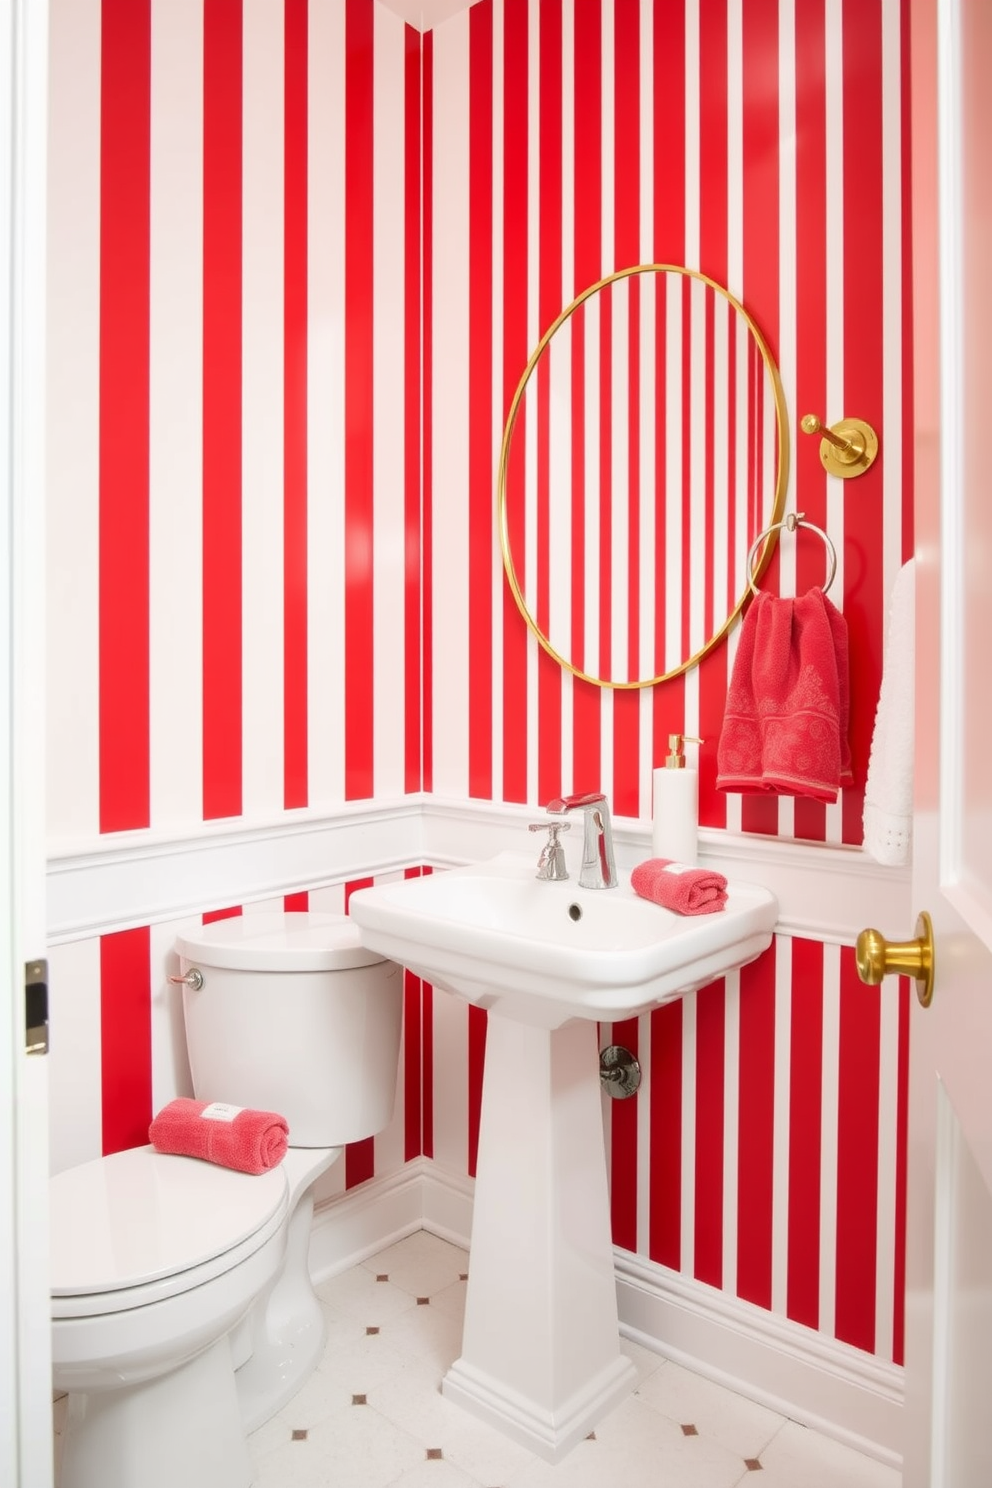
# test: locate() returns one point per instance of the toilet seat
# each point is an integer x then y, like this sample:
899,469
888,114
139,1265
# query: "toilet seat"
138,1226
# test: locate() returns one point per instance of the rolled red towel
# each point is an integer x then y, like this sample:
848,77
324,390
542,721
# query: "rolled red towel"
689,891
231,1136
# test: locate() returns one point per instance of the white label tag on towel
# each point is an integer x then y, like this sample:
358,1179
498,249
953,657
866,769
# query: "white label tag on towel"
675,868
220,1111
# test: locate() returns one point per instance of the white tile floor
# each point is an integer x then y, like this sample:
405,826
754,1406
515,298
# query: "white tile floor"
372,1416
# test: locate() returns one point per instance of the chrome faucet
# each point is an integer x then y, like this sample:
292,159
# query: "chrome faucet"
599,870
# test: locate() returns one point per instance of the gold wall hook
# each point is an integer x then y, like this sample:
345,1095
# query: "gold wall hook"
846,449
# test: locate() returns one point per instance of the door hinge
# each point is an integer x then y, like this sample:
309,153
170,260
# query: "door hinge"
36,1007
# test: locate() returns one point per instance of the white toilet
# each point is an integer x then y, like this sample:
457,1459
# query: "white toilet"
183,1315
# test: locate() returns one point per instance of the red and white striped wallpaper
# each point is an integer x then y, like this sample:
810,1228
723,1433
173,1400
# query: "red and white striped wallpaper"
767,1156
759,141
235,410
299,257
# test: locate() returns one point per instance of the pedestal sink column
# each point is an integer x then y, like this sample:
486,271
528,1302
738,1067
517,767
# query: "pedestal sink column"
541,1349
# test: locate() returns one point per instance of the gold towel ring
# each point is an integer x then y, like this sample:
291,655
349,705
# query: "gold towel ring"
791,522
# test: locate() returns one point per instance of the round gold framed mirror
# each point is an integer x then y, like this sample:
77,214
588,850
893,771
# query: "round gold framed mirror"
645,450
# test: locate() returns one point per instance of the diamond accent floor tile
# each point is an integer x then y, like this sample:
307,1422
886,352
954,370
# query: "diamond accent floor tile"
350,1448
636,1446
799,1455
432,1338
675,1430
740,1425
413,1401
357,1294
421,1264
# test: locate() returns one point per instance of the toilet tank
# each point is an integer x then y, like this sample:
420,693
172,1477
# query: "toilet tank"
295,1016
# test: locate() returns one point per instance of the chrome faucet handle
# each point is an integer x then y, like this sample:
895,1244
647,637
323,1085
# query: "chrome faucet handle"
598,869
551,864
561,804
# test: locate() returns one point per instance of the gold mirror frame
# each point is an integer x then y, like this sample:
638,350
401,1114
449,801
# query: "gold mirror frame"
769,519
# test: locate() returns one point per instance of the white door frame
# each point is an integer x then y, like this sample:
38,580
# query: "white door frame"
25,1328
949,1217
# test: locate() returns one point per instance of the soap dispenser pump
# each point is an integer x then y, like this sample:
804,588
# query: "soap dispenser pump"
675,823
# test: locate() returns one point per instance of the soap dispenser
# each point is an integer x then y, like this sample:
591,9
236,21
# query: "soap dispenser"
675,823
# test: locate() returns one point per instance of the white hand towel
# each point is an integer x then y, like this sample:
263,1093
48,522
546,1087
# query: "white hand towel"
888,809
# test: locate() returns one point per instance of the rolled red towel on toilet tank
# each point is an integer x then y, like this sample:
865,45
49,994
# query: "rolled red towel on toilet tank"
232,1136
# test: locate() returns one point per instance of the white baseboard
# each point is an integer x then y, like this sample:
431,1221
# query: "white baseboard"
836,1389
352,1226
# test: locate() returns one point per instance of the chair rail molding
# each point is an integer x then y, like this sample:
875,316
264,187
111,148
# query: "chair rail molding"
825,893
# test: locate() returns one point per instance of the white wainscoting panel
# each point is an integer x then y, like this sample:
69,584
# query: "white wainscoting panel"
825,892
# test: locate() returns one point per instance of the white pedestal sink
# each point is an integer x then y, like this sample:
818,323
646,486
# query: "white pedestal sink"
541,1348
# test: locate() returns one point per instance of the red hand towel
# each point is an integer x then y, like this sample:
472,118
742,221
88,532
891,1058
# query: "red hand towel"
232,1136
786,722
689,891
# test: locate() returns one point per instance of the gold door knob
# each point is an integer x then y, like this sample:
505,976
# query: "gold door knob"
878,957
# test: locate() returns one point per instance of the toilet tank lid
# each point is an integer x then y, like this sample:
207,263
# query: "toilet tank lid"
277,940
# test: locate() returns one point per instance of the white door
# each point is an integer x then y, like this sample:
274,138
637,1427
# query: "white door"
949,1243
25,1328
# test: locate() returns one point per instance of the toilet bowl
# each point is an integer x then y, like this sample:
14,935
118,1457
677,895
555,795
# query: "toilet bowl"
154,1260
183,1314
281,1337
